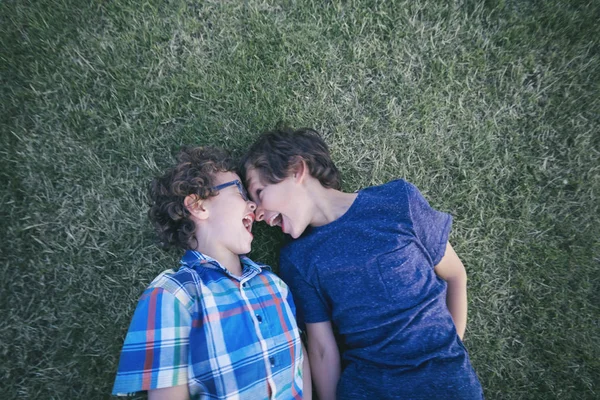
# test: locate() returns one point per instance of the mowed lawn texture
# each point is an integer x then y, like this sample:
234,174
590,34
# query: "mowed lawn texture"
491,108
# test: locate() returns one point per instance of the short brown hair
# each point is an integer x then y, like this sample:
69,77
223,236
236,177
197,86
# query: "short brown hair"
193,174
275,154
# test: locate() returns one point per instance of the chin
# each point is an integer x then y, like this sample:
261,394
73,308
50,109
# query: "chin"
295,235
245,249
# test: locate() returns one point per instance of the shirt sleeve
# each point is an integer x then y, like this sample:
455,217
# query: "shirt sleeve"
285,291
431,227
155,352
310,305
290,300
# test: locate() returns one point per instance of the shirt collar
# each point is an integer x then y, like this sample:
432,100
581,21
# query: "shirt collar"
195,259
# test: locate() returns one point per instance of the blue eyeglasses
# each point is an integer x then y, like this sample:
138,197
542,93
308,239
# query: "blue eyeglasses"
237,183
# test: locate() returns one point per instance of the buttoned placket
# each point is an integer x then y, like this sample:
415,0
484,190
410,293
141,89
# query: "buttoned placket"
245,287
257,320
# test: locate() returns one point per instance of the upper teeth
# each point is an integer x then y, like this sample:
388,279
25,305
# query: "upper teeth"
247,221
272,219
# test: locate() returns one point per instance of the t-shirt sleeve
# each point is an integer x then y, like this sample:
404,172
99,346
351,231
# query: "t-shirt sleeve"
155,352
310,305
431,227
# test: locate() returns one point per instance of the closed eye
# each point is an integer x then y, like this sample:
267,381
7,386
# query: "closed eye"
255,196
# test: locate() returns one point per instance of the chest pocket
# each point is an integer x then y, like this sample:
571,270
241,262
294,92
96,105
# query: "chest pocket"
405,274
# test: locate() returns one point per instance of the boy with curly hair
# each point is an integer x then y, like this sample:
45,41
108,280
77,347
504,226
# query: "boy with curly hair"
221,326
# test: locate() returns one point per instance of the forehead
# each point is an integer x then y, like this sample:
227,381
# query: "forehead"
223,177
253,178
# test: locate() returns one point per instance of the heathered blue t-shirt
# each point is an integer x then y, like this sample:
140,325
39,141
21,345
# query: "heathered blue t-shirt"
371,272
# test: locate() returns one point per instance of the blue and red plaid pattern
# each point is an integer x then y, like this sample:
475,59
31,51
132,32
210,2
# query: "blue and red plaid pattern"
227,337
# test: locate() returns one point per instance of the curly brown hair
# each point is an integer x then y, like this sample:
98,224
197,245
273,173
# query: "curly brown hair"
193,174
276,153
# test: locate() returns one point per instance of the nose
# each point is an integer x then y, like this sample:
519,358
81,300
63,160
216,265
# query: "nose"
259,213
251,205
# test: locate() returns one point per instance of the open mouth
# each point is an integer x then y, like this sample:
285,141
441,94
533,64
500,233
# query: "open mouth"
247,221
275,220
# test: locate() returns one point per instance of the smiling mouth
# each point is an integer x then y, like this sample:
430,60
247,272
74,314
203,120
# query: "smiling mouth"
247,221
276,220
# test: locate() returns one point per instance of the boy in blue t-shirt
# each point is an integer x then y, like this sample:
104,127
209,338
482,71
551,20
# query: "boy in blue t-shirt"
221,326
376,265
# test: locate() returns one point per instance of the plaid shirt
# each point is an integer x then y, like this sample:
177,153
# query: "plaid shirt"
227,337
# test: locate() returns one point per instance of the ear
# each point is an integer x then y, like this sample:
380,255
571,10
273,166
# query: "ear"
300,171
195,205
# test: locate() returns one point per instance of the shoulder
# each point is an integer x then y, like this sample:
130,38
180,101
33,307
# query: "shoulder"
393,188
184,285
292,249
275,282
293,254
390,197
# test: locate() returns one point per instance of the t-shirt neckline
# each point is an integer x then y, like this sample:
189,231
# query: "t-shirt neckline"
343,217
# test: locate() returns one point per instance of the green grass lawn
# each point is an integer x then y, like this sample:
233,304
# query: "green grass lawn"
492,108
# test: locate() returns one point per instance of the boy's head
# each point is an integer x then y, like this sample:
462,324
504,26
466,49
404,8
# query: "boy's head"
283,170
276,154
201,191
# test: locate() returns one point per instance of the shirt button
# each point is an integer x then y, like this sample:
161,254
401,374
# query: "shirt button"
272,361
244,284
259,318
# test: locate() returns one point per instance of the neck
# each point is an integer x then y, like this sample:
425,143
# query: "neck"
226,258
329,204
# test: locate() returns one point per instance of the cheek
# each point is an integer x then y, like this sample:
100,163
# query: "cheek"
281,197
265,201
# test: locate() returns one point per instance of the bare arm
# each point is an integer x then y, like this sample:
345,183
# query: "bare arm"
171,393
306,378
324,359
452,270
